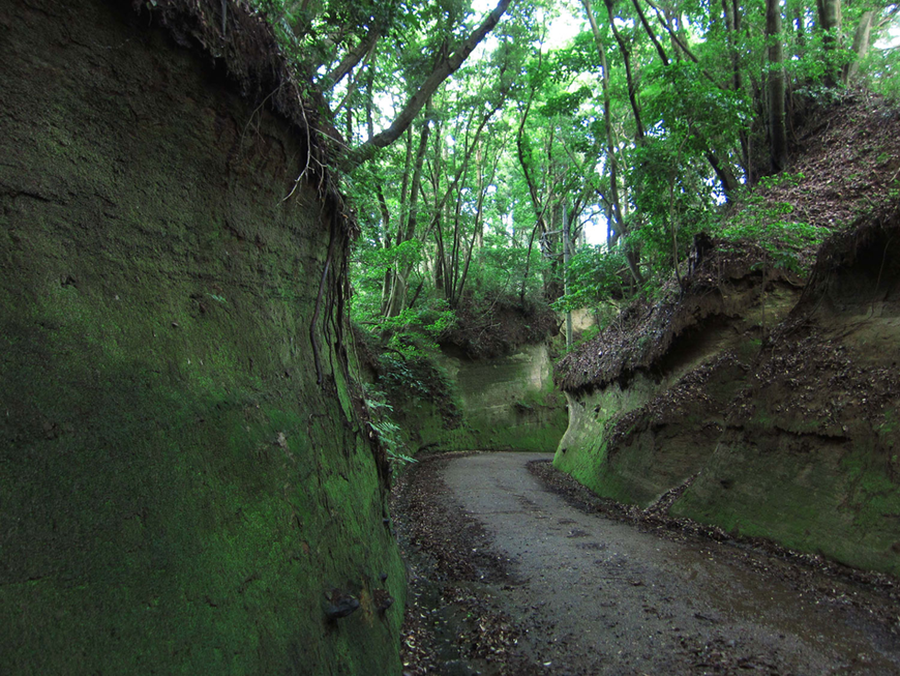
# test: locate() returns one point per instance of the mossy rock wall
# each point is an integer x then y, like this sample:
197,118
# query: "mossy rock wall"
508,403
493,403
636,438
797,443
179,487
810,492
582,451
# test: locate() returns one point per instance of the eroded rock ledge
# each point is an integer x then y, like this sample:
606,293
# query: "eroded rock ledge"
778,409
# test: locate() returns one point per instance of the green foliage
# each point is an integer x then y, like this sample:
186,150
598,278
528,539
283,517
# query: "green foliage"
694,109
418,326
382,424
889,428
520,135
408,374
819,94
596,274
503,268
768,224
413,373
881,70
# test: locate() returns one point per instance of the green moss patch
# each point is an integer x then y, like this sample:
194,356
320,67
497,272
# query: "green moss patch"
180,486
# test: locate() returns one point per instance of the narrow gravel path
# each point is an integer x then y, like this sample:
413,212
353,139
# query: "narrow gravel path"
590,595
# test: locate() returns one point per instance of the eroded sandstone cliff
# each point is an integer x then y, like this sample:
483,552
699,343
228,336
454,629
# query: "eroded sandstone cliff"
763,411
184,482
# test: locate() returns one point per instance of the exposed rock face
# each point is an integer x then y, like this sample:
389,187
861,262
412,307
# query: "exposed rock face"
809,455
181,486
509,402
796,442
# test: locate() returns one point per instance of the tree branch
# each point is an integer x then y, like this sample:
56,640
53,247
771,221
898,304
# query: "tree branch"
351,59
444,69
650,33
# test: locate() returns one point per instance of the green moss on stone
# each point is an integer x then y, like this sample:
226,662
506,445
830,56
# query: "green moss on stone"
177,492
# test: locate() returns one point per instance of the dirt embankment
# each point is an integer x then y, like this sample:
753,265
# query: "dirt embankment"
180,482
774,410
786,430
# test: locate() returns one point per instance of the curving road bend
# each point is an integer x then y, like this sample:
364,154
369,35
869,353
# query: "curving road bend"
597,596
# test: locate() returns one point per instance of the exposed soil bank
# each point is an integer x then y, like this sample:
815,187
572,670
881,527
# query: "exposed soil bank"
788,432
775,411
490,386
182,475
537,580
507,402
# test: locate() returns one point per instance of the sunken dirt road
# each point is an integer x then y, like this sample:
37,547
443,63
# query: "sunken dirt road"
516,570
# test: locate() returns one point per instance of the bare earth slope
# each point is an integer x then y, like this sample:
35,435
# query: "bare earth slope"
774,410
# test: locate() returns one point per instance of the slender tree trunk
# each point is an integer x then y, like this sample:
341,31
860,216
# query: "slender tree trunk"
528,263
385,240
830,22
650,32
397,301
860,44
731,41
478,225
567,258
525,163
440,258
632,86
795,11
631,256
412,218
670,23
777,135
612,235
731,38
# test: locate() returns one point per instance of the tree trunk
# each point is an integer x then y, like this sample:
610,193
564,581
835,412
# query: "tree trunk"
830,22
567,257
860,44
631,256
777,135
525,163
351,59
725,174
397,298
626,58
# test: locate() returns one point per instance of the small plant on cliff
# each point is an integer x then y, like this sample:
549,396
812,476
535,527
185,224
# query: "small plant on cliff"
386,430
412,373
769,224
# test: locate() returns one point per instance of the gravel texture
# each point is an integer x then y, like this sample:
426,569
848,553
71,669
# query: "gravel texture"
517,570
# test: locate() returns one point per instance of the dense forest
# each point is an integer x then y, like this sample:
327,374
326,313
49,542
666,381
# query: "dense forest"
258,254
573,151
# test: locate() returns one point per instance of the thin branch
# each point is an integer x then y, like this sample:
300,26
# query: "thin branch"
674,35
351,59
651,33
444,69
